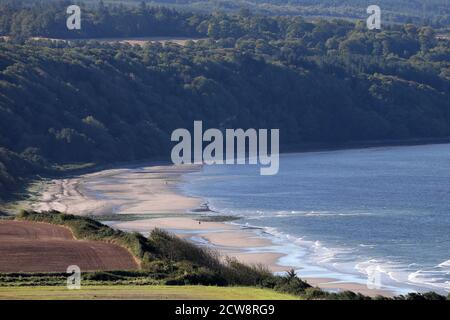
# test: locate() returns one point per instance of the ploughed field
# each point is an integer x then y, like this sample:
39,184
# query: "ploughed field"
39,247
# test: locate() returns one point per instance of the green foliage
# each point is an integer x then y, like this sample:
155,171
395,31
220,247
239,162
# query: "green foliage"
13,169
167,259
91,102
423,296
290,283
150,14
89,278
436,12
192,264
173,248
49,20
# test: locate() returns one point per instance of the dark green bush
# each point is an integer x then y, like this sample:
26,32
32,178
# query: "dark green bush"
290,283
238,273
424,296
170,247
314,294
199,276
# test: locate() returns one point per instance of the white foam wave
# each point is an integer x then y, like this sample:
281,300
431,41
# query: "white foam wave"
314,259
444,264
291,213
436,277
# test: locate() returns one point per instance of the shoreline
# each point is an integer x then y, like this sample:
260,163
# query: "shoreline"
132,190
152,193
20,196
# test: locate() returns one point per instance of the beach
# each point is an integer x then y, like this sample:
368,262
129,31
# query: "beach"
143,198
118,191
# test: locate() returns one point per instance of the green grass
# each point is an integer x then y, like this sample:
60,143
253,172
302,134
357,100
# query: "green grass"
143,292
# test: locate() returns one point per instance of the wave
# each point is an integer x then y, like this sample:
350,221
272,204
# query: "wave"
436,277
355,258
444,264
256,214
314,259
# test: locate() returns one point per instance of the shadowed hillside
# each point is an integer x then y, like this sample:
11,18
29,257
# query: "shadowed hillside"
327,82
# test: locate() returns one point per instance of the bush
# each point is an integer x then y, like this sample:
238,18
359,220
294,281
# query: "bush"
103,276
424,296
238,273
199,276
314,294
290,283
346,295
170,247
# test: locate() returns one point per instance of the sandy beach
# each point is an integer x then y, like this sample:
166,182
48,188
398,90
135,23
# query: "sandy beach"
148,190
152,191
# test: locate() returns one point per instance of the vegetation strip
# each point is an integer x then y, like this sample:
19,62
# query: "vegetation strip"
169,260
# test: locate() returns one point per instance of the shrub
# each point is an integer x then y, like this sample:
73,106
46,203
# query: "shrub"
241,274
200,276
103,276
170,247
290,283
314,294
424,296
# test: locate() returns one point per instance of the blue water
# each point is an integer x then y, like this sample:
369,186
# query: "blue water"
346,213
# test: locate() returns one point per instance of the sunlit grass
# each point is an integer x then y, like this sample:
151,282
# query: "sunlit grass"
143,292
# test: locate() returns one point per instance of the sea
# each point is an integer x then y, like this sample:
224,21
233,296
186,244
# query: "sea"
376,216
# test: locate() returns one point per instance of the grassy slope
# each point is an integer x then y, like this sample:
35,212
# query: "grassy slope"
143,292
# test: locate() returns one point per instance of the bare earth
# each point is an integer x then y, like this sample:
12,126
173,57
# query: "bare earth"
39,247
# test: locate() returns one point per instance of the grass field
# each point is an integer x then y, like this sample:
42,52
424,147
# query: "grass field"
142,292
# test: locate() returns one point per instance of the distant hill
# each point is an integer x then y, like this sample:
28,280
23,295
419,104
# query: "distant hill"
419,12
327,82
436,12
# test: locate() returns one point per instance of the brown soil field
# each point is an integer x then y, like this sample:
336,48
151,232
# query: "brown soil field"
39,247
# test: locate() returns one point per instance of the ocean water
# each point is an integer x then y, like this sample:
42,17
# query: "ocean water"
379,214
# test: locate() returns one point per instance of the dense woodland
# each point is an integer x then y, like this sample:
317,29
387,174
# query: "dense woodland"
434,12
421,12
323,82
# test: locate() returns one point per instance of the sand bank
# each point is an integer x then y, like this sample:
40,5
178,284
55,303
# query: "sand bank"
145,190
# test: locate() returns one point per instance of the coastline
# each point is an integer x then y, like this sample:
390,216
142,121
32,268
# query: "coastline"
117,191
143,198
